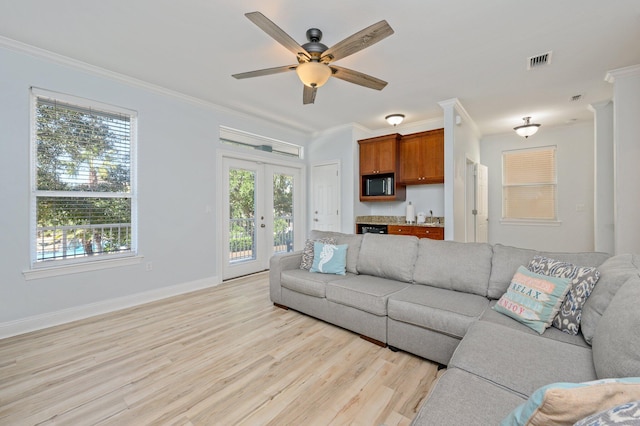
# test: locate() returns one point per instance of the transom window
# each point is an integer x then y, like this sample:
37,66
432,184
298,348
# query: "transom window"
83,192
529,184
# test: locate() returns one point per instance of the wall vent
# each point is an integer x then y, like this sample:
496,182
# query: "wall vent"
539,60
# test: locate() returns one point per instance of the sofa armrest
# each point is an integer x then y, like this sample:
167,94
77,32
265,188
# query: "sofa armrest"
277,264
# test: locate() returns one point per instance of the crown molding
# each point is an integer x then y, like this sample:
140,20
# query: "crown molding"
462,112
633,70
59,59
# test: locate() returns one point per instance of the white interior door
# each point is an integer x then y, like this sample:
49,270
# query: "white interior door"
482,203
261,216
325,184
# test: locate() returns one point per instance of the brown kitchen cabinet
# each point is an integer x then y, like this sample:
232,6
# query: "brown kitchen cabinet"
400,230
379,155
379,159
422,158
434,233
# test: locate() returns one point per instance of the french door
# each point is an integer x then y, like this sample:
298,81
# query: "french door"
262,214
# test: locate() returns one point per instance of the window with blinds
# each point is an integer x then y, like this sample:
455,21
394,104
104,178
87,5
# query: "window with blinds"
83,199
529,184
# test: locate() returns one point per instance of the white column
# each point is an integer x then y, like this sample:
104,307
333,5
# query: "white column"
626,140
603,197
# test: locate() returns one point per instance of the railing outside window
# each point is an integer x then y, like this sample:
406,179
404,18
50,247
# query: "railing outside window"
78,241
242,237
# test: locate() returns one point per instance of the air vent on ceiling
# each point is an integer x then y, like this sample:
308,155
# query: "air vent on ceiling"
539,60
575,98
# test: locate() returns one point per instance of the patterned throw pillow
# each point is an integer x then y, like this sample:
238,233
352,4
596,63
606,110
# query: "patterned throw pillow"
307,253
623,415
566,403
583,279
533,299
329,258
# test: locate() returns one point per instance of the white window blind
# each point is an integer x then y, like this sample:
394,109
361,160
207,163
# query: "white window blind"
83,199
529,184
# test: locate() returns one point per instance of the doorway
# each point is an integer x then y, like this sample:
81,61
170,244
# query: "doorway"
476,210
262,214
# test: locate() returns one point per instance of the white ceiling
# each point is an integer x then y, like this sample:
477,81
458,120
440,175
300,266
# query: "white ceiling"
472,50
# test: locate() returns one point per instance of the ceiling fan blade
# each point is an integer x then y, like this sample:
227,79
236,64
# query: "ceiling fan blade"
277,33
309,95
266,71
357,77
358,41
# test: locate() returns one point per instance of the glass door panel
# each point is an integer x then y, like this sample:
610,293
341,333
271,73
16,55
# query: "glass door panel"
263,205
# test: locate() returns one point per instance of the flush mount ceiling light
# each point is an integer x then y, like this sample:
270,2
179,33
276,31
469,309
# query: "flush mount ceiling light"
313,74
394,119
527,129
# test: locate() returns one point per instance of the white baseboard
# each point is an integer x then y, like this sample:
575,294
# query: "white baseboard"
39,322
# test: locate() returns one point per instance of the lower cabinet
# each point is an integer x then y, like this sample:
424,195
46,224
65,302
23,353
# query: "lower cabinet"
434,233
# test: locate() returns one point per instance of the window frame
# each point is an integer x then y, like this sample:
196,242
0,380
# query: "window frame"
42,269
555,221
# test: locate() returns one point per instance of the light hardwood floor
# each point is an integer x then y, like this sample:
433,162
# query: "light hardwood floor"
220,356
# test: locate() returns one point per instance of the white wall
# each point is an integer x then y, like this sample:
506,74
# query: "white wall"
575,165
461,144
336,145
603,191
177,141
626,137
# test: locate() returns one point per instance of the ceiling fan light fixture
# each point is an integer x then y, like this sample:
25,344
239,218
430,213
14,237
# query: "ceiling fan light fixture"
527,129
394,119
313,74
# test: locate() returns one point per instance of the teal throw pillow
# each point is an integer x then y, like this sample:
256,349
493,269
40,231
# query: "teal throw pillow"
329,258
533,299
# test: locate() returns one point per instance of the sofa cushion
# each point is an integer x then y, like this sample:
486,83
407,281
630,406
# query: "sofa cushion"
521,362
583,278
388,256
567,403
445,311
329,258
551,333
616,341
614,272
506,260
452,265
352,240
533,299
460,398
306,282
309,251
364,292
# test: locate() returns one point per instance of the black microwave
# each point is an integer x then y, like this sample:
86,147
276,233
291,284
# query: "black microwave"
378,186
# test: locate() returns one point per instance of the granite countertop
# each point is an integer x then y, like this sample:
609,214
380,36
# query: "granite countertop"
398,220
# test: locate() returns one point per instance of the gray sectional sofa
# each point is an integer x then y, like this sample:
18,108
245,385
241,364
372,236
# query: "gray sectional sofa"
434,299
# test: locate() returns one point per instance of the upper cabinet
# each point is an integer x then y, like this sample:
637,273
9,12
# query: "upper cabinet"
379,155
391,162
379,169
422,158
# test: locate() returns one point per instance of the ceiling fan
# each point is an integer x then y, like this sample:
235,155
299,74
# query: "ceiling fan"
314,58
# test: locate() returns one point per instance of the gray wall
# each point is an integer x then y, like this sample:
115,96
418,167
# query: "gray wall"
177,142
